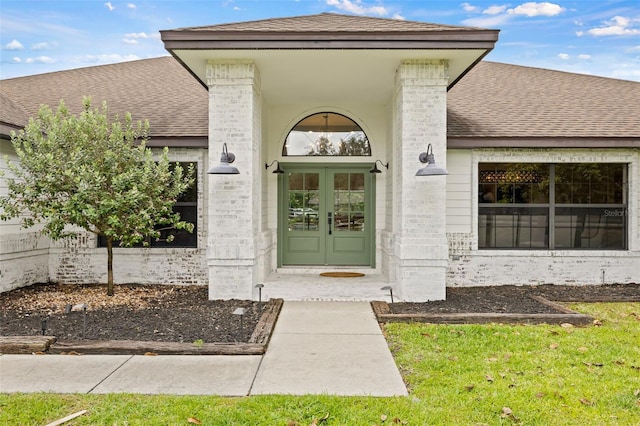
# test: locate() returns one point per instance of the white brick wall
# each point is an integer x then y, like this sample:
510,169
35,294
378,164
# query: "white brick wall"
23,252
27,257
469,266
234,215
418,252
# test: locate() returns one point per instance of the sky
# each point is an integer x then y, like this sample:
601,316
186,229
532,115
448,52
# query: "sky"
598,37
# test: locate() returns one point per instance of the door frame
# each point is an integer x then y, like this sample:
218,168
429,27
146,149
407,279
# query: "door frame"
283,205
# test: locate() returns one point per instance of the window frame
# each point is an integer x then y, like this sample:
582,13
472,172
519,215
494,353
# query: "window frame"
324,132
552,207
152,243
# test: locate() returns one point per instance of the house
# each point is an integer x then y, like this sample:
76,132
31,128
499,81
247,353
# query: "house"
543,180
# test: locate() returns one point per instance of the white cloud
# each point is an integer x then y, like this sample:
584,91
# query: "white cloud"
566,56
40,60
619,25
579,33
132,38
398,17
109,6
108,58
487,21
136,35
634,49
494,10
532,9
131,5
14,45
16,60
43,46
469,8
498,15
357,7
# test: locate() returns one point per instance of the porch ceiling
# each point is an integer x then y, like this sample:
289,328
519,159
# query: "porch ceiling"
290,76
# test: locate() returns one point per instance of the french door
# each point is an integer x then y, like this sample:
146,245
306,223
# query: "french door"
326,216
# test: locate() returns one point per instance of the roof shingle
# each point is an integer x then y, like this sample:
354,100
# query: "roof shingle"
328,23
493,100
158,89
501,101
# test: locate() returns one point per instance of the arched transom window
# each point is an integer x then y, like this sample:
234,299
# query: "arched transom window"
326,134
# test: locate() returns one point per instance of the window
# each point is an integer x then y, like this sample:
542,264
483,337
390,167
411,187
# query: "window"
326,134
187,206
552,206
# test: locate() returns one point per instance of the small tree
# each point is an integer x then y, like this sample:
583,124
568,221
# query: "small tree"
93,173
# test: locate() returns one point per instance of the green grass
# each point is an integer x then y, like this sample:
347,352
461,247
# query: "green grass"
457,375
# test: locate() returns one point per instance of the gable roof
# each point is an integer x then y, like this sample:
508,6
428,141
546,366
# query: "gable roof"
158,89
494,105
506,103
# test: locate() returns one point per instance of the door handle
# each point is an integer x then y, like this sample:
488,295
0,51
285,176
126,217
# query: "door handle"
329,221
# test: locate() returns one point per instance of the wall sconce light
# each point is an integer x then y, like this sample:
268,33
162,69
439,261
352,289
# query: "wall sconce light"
431,169
375,168
224,168
278,170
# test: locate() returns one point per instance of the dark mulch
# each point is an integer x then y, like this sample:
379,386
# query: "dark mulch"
161,313
516,299
166,313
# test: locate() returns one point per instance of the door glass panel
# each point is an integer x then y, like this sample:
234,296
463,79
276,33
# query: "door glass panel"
356,181
304,201
348,202
296,181
341,181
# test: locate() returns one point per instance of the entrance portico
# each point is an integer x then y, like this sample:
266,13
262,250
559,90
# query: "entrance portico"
391,78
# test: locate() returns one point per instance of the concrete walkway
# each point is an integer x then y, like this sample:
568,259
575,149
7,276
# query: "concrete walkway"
334,348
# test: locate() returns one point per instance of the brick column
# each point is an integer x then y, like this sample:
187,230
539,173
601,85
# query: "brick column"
419,205
233,200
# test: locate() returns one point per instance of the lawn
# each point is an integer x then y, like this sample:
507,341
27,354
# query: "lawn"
458,375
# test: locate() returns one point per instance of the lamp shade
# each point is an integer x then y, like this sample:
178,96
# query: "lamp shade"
224,168
431,169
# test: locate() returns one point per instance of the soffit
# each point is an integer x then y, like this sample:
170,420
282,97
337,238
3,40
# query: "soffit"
328,76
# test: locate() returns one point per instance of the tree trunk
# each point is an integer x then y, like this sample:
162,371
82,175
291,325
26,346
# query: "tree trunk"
109,266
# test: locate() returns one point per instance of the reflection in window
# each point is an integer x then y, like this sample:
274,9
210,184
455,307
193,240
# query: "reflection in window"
556,206
304,201
348,201
326,134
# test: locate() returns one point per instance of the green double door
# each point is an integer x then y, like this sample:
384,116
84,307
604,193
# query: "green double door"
326,216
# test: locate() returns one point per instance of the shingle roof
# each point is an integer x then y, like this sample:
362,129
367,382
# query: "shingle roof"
329,31
493,100
502,101
12,113
328,23
158,89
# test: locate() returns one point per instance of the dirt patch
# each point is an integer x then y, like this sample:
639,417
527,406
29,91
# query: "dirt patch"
161,313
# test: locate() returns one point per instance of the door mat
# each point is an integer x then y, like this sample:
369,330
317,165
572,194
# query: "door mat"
342,274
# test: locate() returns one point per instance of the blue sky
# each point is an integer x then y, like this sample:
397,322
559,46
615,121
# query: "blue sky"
598,37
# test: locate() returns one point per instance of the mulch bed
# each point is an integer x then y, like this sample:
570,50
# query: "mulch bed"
507,304
519,299
181,319
142,318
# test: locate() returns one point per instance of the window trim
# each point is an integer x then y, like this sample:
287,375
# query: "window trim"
552,206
